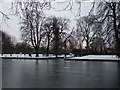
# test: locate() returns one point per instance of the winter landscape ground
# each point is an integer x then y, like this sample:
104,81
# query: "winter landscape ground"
68,57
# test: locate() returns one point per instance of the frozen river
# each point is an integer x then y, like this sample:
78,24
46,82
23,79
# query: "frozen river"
60,74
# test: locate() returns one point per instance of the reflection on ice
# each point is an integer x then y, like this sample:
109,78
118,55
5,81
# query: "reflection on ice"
60,74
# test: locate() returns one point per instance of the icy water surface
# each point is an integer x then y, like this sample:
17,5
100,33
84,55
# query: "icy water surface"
60,74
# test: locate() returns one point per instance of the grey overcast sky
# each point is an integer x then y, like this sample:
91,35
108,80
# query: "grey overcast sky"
13,24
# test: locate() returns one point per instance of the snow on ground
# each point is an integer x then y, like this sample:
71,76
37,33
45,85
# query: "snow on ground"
69,57
97,57
32,55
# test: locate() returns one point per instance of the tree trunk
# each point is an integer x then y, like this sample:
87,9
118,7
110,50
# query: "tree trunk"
87,47
116,31
56,48
81,52
37,51
57,40
65,48
48,47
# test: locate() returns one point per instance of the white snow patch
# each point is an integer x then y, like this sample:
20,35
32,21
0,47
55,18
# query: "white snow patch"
98,57
32,55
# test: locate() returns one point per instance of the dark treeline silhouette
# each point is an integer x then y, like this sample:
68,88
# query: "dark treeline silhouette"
8,46
7,43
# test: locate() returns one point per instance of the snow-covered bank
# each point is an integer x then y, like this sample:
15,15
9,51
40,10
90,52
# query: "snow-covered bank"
95,57
30,57
24,55
68,57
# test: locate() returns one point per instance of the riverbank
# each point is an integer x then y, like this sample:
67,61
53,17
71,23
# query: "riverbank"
32,56
68,57
95,58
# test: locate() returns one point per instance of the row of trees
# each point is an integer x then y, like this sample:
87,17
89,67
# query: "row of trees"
9,45
66,46
40,30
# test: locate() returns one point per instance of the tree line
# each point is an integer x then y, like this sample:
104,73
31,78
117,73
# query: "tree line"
55,37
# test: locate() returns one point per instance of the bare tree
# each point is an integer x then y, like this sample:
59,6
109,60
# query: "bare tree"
56,30
68,42
48,33
32,18
85,27
111,10
78,39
